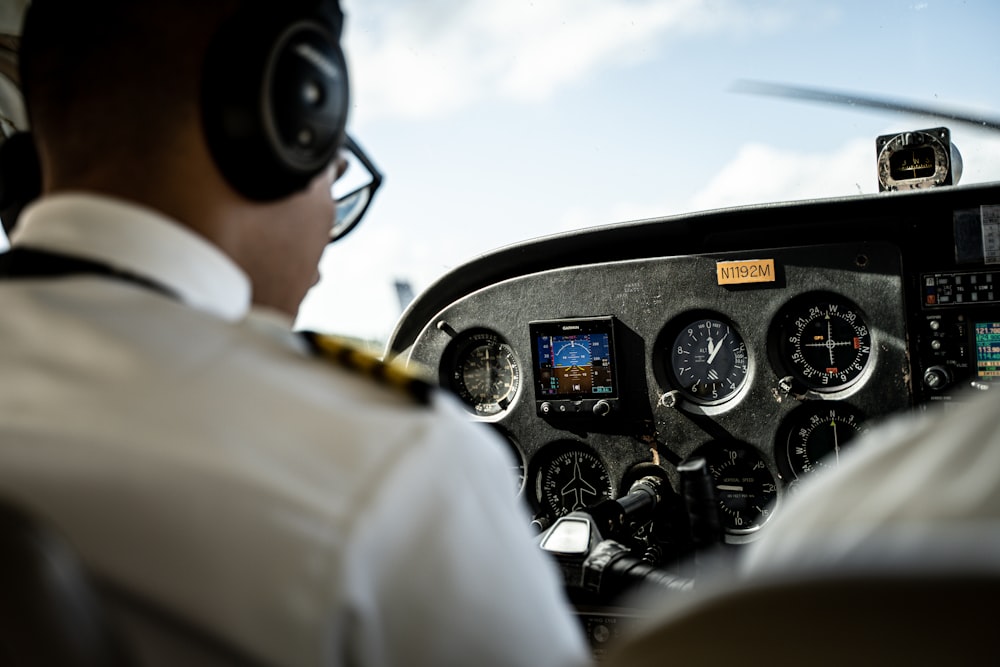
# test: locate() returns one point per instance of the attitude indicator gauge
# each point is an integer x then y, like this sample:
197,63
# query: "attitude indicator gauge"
823,341
483,371
708,361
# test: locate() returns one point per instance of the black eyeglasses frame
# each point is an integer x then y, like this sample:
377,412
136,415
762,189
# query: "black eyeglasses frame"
342,228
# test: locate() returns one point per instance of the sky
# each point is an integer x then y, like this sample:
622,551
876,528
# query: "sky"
499,121
496,122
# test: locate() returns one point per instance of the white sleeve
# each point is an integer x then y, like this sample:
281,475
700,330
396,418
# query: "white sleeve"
443,570
920,473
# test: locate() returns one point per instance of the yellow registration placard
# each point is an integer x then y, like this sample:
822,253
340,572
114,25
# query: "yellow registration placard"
745,271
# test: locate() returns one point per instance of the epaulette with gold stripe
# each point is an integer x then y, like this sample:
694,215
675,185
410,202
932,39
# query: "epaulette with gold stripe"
387,374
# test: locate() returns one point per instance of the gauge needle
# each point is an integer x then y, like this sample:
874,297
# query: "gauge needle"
712,351
836,443
729,487
829,340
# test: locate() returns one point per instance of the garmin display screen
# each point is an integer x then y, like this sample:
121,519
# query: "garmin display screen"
574,359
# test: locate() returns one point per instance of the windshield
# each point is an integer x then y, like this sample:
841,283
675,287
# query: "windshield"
496,122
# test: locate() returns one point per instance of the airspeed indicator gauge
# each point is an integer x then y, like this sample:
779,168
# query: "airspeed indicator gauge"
483,371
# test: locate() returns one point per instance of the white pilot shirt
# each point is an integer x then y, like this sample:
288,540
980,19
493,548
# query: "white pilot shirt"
905,487
198,456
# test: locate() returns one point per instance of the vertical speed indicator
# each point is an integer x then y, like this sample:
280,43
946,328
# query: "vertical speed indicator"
744,486
823,341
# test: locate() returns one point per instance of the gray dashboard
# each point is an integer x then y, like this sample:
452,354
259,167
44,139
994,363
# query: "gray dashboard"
762,339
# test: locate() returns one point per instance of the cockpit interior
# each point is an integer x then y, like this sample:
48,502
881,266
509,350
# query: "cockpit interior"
675,380
761,339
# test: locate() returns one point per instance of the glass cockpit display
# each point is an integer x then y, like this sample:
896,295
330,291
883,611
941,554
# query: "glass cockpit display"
574,364
988,350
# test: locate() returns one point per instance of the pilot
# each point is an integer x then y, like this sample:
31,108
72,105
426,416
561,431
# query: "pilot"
294,500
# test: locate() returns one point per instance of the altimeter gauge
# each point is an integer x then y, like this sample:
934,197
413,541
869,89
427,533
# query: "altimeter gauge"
708,361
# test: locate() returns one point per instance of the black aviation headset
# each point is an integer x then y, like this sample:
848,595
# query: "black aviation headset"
274,100
275,95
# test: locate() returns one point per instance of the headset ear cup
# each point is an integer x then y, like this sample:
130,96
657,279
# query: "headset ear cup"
274,104
308,92
20,177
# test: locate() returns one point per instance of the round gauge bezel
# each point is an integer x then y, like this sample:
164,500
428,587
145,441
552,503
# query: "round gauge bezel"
669,358
792,449
790,328
550,466
937,141
459,352
518,468
750,467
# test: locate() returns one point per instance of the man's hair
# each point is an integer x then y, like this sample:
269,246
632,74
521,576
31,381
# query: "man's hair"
113,76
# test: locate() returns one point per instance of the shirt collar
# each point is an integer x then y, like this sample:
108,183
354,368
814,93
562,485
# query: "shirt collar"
138,240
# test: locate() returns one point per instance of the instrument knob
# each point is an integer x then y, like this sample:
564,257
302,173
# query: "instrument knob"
937,378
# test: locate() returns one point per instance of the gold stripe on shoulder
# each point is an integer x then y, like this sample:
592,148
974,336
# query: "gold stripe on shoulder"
347,356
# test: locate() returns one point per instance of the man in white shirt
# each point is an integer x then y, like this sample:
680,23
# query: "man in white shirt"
186,441
921,485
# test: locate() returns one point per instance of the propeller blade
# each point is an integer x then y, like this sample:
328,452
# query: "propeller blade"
857,100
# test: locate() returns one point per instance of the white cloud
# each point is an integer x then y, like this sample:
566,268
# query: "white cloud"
431,58
761,173
758,173
980,151
356,295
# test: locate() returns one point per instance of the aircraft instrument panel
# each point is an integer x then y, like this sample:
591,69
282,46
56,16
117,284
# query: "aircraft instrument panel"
765,340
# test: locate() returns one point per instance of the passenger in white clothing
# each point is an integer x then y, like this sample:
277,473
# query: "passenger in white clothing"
156,406
922,482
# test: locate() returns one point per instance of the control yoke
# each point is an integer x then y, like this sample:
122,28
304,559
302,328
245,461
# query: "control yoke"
592,560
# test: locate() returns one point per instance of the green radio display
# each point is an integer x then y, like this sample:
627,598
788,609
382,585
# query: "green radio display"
987,350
